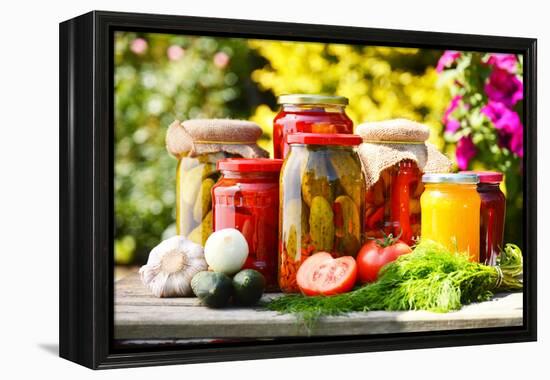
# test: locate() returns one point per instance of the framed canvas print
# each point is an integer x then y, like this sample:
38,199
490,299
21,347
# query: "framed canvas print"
235,189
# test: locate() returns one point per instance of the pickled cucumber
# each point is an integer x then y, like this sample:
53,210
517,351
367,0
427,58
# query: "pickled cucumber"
203,203
184,222
348,245
348,170
296,212
291,241
348,225
191,182
316,178
202,231
349,214
295,224
321,224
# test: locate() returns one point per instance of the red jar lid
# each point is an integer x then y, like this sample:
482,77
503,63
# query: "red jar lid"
324,139
250,165
487,177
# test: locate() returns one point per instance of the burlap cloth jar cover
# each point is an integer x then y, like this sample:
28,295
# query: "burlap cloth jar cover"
386,143
201,136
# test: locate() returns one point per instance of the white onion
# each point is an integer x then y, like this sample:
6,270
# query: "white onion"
226,251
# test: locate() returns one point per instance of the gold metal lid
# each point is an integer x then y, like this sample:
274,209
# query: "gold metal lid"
312,99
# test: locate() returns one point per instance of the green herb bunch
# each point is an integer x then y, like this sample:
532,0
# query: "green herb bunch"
430,278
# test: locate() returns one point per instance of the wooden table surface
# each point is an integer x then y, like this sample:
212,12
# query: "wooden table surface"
141,316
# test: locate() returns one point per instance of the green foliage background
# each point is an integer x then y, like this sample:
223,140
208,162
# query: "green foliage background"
210,77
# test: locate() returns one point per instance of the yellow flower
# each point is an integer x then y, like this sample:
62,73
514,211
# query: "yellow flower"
374,79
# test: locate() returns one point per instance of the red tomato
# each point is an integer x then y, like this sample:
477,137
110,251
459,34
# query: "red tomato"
375,254
322,274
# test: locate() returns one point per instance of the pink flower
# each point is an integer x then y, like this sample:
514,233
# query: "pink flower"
446,60
504,87
508,125
507,62
139,46
451,124
175,53
221,59
516,143
465,151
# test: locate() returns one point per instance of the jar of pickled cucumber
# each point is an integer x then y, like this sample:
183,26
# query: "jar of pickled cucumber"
321,201
198,145
195,177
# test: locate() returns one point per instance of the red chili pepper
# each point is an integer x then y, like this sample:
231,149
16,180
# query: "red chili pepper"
375,218
400,196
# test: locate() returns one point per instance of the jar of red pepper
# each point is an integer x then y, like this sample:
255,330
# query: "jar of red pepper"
395,154
308,113
246,197
492,214
392,205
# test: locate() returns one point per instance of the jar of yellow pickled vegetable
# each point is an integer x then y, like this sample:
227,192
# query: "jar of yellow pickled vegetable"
450,212
198,145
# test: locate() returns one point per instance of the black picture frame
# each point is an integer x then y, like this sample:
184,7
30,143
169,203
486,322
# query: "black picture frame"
86,188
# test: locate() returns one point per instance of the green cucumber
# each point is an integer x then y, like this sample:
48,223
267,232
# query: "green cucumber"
248,286
213,289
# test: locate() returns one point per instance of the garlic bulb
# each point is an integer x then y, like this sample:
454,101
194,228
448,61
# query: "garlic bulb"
171,266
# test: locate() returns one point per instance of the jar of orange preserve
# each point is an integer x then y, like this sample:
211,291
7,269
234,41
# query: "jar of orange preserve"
450,212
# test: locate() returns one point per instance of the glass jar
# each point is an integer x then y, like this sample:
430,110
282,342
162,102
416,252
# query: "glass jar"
308,113
195,177
492,215
392,204
246,197
450,212
321,205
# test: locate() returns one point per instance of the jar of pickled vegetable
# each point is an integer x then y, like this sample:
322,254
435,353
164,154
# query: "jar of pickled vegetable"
246,197
392,205
308,113
395,154
195,177
199,145
492,214
450,212
321,205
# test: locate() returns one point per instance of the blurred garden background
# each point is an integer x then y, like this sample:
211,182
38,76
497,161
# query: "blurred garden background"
471,101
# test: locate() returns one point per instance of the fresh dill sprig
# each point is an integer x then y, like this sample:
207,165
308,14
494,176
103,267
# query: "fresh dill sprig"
430,278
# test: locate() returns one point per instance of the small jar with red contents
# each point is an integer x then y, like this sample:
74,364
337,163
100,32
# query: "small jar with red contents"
246,198
311,114
492,214
392,204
